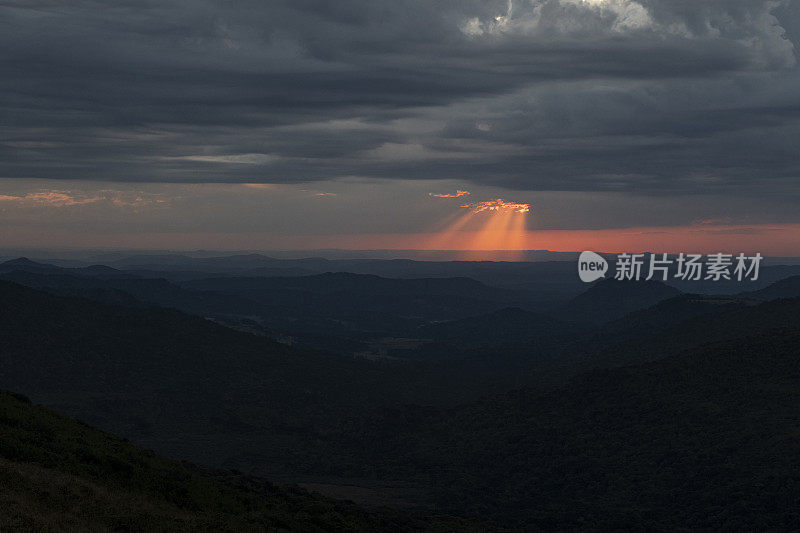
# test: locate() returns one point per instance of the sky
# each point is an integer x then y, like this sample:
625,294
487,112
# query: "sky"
623,125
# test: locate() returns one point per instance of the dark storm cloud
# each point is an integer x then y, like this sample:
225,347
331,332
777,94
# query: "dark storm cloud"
665,96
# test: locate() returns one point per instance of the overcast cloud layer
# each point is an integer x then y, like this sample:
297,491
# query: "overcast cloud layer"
646,96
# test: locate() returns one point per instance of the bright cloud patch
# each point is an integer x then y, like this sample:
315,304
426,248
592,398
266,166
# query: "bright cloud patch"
498,206
61,198
457,194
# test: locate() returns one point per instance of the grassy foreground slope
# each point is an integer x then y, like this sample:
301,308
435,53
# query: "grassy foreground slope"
58,474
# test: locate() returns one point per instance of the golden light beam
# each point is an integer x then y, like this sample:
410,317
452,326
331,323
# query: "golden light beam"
448,238
492,234
491,225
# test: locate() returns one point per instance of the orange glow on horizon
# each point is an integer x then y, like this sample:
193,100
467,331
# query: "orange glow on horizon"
459,235
769,239
497,225
490,225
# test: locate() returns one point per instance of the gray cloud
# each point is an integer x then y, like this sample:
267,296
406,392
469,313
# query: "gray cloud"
644,96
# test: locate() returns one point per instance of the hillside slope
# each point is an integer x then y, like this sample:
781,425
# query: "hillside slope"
57,474
609,299
177,383
704,438
785,288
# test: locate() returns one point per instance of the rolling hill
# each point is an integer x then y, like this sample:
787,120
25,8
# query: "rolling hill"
505,326
785,288
58,474
179,383
609,299
703,438
331,311
690,424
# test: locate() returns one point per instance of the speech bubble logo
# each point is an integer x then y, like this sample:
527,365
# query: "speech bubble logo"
591,267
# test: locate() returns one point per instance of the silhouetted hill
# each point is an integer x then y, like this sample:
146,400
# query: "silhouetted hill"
24,264
358,304
733,319
556,279
701,439
610,299
666,314
102,271
544,352
785,288
60,475
334,311
505,326
767,275
345,281
176,382
109,286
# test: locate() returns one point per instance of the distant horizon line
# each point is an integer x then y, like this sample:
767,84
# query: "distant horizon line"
84,254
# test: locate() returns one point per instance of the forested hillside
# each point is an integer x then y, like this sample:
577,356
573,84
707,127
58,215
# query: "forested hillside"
58,474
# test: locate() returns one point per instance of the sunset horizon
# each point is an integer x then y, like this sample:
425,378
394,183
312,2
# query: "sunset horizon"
393,266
